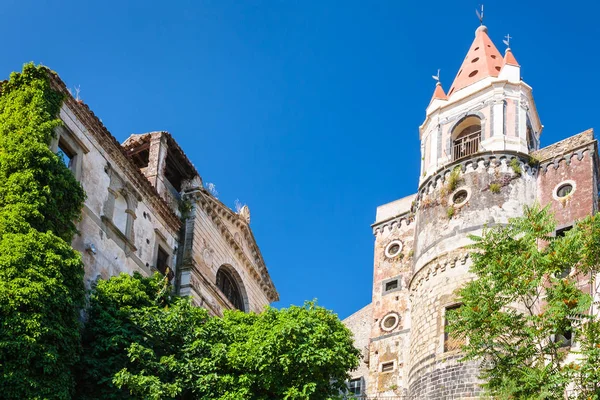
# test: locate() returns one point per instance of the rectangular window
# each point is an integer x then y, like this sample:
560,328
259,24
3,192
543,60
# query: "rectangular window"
391,285
387,367
67,155
564,336
162,262
567,270
451,342
355,386
563,231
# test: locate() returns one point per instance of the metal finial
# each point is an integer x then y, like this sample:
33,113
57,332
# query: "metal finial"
507,40
436,77
480,15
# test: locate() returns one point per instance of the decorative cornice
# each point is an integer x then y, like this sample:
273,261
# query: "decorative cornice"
555,162
438,265
405,218
487,158
217,212
116,152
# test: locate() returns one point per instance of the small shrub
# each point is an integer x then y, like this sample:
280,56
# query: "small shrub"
495,187
516,166
411,253
454,178
533,161
450,211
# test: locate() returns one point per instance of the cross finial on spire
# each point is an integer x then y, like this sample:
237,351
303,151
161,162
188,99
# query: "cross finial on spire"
437,77
480,15
507,40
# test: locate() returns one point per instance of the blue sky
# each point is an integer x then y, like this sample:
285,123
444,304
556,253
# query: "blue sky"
308,111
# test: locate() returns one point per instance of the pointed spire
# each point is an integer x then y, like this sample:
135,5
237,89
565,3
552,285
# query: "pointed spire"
509,58
483,60
439,93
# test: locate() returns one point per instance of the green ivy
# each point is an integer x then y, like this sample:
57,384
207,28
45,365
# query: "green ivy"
41,276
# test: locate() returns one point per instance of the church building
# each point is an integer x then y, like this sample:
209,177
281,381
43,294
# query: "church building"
147,210
485,130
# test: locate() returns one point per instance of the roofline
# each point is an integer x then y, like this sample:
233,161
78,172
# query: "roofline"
103,135
264,275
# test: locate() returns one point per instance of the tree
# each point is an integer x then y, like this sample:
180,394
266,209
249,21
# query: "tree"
171,349
526,301
41,276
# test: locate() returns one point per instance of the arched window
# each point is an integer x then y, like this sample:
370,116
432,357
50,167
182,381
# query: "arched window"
120,214
229,287
466,137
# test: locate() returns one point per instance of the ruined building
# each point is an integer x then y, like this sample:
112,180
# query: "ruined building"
147,210
486,129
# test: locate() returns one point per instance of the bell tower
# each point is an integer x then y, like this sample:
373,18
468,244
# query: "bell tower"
476,142
487,109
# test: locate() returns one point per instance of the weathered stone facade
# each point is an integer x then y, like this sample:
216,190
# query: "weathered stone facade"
147,210
481,163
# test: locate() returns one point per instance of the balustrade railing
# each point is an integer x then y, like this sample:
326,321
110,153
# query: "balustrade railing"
467,145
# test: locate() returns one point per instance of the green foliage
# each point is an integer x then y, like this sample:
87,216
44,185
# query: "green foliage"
36,189
450,211
41,276
533,161
516,166
109,331
171,349
509,326
495,188
454,179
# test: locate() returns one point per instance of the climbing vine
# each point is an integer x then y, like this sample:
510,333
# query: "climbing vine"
41,276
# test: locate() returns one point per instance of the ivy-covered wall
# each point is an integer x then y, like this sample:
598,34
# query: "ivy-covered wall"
41,276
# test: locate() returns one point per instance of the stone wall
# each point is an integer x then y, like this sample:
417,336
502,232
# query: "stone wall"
109,247
360,325
132,209
211,243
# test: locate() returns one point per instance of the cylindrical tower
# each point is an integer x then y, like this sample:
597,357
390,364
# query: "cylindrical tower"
475,173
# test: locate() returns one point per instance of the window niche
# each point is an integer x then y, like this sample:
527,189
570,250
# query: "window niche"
451,342
70,149
119,211
466,137
355,386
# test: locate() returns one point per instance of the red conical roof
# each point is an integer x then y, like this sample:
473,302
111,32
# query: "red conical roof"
510,59
483,60
439,93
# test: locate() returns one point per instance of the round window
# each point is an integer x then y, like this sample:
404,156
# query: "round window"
564,190
393,248
460,197
390,321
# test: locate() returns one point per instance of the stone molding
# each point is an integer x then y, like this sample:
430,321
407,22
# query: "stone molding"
484,159
405,218
218,211
116,153
567,157
438,265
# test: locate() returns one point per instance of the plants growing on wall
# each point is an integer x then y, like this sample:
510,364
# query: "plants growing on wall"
41,276
522,341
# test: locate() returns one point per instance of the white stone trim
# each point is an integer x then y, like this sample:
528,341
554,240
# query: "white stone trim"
388,254
465,201
561,184
387,317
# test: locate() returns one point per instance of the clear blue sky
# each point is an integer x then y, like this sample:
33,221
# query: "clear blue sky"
308,111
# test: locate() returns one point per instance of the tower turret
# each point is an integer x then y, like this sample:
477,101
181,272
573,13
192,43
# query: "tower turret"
488,109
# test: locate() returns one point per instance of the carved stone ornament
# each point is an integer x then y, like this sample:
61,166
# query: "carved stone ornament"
245,214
